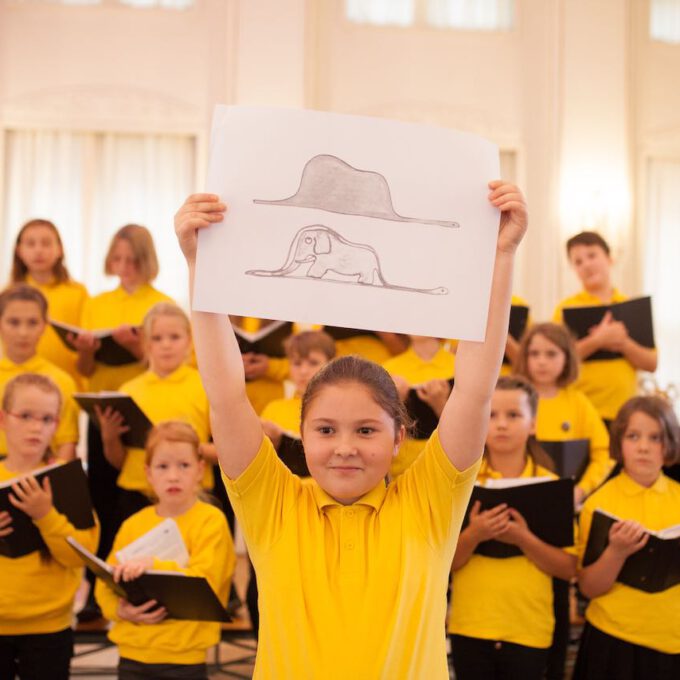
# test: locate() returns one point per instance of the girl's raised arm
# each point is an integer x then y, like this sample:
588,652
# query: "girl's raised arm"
236,428
465,418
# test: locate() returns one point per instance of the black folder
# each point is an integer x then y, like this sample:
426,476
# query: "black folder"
268,340
71,497
109,353
292,453
519,317
571,457
653,569
189,598
547,507
635,314
426,420
134,417
340,333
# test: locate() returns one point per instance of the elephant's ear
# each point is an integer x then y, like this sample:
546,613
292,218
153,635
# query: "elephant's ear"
322,245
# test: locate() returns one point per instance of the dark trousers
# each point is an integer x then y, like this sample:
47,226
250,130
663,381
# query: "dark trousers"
135,670
476,659
557,655
602,656
41,656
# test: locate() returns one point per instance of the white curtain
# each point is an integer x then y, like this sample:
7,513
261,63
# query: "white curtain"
489,15
381,12
661,271
664,20
89,185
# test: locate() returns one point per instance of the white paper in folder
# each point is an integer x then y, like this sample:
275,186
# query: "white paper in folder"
164,542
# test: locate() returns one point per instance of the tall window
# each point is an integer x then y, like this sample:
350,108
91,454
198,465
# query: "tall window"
89,185
664,20
381,12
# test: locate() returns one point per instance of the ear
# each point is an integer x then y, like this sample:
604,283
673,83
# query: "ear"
532,429
322,244
399,439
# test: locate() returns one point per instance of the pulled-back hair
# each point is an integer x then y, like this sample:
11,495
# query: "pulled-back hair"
173,431
354,369
511,383
20,270
22,292
558,335
657,408
42,382
587,238
141,242
301,345
167,309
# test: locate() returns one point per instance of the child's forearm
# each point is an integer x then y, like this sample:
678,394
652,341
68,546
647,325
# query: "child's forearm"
642,358
549,559
86,363
599,577
467,544
114,452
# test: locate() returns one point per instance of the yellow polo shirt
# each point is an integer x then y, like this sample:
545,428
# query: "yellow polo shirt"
647,619
36,595
285,413
110,310
607,383
65,303
211,554
67,430
356,591
178,396
416,371
571,415
508,599
366,346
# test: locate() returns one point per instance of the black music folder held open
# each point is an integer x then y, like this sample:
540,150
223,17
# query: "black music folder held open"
268,340
185,597
340,333
70,496
654,568
109,353
519,317
636,315
426,420
547,506
134,417
571,456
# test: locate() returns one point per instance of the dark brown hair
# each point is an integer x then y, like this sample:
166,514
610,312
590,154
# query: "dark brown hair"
301,345
509,383
558,335
587,238
655,407
20,270
22,292
354,369
141,242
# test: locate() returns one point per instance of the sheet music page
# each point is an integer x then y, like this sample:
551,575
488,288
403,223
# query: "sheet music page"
164,542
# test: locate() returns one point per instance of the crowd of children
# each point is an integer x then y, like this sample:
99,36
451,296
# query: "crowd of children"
339,583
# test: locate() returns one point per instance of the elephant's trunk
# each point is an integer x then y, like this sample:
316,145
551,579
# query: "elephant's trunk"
289,266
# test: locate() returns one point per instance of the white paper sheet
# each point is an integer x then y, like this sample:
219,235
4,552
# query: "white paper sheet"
164,542
385,225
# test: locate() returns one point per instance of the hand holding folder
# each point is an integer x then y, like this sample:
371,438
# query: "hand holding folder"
268,340
424,416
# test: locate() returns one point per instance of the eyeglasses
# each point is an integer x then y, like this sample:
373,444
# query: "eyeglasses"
26,417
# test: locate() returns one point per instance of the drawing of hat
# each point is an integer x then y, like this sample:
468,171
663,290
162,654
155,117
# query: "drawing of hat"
329,183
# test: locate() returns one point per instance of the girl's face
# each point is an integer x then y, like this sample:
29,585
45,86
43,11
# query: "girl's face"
175,473
168,344
303,370
592,265
545,361
21,326
30,423
349,441
643,449
39,249
123,264
511,422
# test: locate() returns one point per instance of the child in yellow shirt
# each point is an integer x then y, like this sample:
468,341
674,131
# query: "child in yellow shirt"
39,261
38,589
23,319
630,633
352,573
501,621
151,645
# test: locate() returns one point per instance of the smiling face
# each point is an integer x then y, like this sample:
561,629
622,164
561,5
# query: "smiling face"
349,441
39,249
30,421
592,266
545,361
168,344
510,423
175,473
21,326
123,264
642,448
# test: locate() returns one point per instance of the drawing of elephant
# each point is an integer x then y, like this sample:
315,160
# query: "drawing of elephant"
325,250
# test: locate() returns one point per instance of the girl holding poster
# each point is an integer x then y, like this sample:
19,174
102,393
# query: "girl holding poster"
352,574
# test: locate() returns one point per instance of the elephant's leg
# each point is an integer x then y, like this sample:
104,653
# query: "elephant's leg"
317,270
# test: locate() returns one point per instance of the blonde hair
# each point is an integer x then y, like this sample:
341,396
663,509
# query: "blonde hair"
20,270
141,242
172,431
164,309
